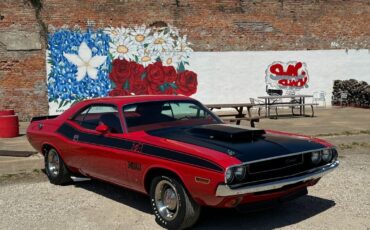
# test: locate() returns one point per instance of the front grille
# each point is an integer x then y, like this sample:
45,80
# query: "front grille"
275,164
278,168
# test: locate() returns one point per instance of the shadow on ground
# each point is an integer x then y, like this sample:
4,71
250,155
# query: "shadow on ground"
127,197
286,214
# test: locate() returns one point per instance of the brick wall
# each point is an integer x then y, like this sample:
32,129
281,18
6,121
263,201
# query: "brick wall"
22,60
211,25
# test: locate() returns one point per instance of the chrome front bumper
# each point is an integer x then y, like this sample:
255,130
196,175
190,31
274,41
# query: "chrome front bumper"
225,190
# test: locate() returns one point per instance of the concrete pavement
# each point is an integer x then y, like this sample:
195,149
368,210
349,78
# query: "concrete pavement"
14,148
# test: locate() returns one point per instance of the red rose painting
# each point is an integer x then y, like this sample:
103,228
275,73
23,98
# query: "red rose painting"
150,60
131,78
118,92
120,72
187,83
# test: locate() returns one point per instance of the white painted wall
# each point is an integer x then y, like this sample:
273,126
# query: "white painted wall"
231,77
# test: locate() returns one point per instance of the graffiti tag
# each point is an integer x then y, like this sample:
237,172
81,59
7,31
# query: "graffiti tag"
292,75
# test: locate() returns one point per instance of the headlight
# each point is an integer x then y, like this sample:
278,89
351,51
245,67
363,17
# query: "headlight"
239,173
335,154
229,175
316,157
327,155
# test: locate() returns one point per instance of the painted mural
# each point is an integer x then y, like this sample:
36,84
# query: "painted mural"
291,76
117,62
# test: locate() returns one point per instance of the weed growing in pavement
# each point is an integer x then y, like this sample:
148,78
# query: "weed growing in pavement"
354,145
344,133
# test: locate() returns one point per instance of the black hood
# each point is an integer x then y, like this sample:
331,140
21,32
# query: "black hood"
246,144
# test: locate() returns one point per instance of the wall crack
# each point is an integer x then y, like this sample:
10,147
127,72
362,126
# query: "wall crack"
37,5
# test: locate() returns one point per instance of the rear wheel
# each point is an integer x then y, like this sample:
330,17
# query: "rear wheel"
172,206
55,168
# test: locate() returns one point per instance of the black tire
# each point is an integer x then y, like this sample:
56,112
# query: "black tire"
59,176
187,210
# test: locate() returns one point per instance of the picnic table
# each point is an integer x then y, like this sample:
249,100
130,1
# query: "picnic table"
295,101
239,115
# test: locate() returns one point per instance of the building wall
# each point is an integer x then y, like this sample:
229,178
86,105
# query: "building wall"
22,60
241,75
211,26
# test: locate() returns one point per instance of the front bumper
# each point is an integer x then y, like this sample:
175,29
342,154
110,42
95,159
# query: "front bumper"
225,190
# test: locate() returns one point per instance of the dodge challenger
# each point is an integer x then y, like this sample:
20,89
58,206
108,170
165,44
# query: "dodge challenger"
183,156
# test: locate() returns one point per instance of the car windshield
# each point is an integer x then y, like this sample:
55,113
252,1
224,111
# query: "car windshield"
164,114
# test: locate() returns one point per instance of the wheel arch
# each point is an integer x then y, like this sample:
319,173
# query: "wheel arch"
46,146
160,171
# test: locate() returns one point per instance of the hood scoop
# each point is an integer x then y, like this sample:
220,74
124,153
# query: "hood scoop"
228,133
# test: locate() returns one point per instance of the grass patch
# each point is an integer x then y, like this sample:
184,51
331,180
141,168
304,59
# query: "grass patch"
344,133
354,145
20,175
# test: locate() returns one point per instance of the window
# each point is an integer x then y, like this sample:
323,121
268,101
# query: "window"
152,115
186,110
94,115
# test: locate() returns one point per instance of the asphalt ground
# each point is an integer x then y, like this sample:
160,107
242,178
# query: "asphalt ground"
341,200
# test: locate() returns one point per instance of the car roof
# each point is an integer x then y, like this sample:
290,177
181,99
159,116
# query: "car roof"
121,100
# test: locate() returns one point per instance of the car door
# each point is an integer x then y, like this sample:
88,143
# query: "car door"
100,155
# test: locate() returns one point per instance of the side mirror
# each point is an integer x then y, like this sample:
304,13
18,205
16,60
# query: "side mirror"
102,128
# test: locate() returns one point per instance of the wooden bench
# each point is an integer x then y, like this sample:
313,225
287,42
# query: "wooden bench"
252,120
292,106
237,115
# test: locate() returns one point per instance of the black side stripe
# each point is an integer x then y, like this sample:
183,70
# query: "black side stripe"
69,132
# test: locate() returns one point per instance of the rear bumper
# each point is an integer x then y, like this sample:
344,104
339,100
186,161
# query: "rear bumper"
225,190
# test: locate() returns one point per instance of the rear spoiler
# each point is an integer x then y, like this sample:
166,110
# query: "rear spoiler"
43,118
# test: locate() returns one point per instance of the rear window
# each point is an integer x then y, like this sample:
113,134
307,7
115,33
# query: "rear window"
162,114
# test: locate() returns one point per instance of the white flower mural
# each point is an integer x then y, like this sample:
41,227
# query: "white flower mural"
117,34
140,35
85,62
145,57
169,58
146,45
183,46
114,61
162,42
123,49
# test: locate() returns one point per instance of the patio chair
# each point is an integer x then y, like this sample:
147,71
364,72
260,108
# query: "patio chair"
319,96
343,98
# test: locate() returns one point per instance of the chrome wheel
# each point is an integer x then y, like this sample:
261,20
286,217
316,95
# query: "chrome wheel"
53,162
166,200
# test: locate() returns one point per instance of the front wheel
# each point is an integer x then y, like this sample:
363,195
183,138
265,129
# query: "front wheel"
172,206
55,168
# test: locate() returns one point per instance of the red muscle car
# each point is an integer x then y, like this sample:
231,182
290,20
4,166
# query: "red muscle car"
179,153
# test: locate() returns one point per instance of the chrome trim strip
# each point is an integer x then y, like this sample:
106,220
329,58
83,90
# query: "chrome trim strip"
225,190
309,171
286,155
79,179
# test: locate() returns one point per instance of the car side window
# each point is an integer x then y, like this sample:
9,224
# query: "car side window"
186,110
94,115
80,116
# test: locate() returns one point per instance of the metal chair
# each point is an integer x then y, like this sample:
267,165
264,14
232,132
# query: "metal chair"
343,98
319,96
